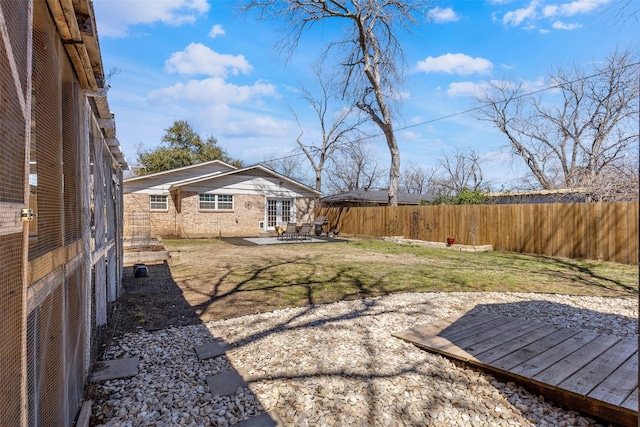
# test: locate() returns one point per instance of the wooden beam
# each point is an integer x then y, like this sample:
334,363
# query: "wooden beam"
107,123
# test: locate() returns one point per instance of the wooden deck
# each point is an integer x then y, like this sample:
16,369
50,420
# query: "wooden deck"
592,373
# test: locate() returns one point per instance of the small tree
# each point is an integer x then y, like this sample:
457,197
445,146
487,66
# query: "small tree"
354,168
464,197
181,146
338,126
290,165
417,179
458,173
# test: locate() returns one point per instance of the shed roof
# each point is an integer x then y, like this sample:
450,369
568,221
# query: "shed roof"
380,197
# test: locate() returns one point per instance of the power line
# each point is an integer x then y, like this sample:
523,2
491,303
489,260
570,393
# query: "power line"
478,108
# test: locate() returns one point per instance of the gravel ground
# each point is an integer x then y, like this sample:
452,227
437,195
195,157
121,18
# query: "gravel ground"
338,365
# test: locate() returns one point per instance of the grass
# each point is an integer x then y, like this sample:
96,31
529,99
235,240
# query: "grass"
222,280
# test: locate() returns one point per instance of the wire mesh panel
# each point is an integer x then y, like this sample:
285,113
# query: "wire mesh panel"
14,92
112,291
109,201
140,230
75,339
71,156
46,133
12,321
100,295
50,385
45,306
98,191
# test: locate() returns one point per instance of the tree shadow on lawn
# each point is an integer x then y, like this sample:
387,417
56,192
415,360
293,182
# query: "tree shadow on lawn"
226,297
581,272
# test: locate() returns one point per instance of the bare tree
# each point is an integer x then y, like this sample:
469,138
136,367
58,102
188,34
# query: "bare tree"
571,135
354,168
338,128
458,172
417,179
370,53
618,182
624,11
291,166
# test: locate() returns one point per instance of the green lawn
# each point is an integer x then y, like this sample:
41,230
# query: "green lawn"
223,280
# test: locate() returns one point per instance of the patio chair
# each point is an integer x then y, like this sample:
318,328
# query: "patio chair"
305,229
290,232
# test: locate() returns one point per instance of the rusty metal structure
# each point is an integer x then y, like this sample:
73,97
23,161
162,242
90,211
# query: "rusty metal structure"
60,208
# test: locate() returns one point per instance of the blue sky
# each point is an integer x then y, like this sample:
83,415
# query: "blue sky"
198,60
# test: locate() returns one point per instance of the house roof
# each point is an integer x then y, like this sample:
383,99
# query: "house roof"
376,196
242,171
173,171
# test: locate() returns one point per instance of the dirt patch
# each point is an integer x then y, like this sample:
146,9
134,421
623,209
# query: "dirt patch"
151,303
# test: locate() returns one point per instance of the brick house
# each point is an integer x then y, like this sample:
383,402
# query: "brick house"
214,199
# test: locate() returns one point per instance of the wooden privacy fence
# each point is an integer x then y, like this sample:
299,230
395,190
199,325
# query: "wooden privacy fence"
603,231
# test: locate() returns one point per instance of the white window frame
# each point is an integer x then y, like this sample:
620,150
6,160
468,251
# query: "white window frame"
153,202
220,202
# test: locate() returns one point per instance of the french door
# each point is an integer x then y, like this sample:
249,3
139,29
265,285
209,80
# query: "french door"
280,210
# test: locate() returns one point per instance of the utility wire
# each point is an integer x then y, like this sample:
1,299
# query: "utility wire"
478,108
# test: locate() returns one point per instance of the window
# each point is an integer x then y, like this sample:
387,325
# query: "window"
216,202
207,201
225,201
159,203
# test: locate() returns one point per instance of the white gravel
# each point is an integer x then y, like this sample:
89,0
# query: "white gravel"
338,365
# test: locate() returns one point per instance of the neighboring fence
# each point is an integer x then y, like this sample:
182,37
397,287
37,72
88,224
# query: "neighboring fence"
60,270
604,231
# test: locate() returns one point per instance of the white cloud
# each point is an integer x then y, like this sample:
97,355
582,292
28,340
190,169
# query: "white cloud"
198,59
116,16
559,25
465,89
211,91
216,31
410,135
440,16
516,17
573,8
454,63
528,17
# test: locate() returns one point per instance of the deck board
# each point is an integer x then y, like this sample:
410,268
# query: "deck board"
631,402
489,338
620,384
564,368
596,371
509,347
552,351
592,373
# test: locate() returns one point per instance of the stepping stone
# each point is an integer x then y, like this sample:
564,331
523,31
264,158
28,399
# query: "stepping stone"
262,420
115,369
226,382
211,349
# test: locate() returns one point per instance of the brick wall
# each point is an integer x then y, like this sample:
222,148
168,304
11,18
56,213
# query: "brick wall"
243,220
190,222
161,223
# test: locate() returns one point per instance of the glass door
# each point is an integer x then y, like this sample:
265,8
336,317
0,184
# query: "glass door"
279,210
